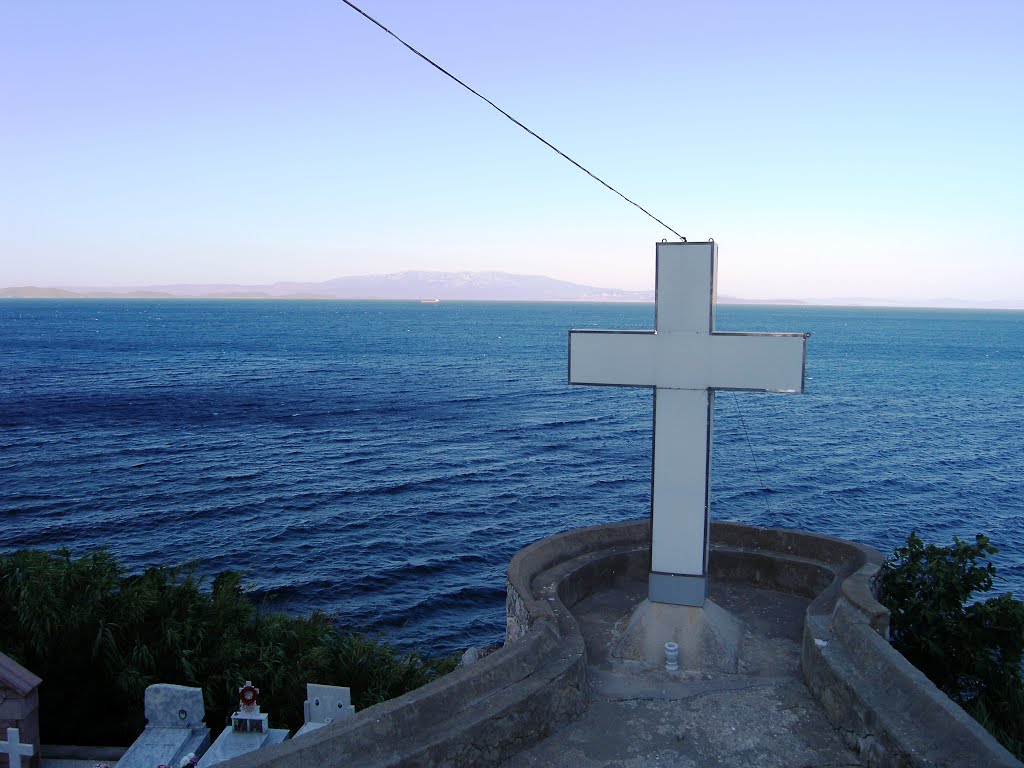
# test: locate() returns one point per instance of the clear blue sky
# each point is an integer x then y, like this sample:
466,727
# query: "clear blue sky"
831,148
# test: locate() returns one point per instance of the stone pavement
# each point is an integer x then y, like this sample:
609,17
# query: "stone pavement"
763,715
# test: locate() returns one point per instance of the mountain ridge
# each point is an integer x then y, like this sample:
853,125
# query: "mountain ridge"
407,285
412,285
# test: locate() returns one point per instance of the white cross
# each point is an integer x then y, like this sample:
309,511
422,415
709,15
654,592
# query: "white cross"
14,749
685,360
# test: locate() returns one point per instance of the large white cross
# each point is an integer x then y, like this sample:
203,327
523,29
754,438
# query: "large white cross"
14,749
685,360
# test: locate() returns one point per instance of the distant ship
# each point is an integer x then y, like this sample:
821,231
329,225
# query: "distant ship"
430,301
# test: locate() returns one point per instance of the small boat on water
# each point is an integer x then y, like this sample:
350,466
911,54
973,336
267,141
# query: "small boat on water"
430,301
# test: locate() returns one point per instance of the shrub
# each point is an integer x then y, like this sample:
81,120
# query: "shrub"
98,636
970,648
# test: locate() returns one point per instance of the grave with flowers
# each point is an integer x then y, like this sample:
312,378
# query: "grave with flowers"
249,730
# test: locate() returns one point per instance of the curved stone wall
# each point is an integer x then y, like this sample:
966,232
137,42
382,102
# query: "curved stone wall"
481,714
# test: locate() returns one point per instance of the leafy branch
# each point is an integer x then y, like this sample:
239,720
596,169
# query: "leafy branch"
970,648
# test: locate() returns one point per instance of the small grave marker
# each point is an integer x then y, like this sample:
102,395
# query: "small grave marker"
19,704
324,704
14,748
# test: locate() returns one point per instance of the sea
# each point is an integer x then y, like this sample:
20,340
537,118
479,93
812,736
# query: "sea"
382,461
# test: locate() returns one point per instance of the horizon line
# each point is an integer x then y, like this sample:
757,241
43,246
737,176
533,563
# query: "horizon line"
307,290
865,303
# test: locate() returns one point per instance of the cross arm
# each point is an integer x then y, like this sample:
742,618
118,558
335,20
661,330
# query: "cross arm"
617,358
758,362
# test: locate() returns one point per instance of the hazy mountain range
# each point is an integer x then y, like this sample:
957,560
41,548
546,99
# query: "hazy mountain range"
478,286
417,285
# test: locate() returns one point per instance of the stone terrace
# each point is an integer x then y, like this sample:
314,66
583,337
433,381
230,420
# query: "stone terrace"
817,683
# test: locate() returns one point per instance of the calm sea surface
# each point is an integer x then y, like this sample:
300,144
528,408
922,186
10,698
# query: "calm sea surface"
382,461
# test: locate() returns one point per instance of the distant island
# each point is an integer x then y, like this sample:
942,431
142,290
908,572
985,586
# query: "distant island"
413,285
446,286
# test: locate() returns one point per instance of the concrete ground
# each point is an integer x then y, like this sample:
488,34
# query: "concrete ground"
639,716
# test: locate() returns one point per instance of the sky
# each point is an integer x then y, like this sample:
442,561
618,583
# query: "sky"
831,149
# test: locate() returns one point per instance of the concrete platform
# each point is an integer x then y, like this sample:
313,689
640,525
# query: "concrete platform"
643,716
815,684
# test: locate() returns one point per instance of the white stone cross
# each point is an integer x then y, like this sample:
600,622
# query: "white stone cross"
14,749
685,360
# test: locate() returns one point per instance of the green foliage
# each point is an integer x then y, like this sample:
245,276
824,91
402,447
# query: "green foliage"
98,637
970,648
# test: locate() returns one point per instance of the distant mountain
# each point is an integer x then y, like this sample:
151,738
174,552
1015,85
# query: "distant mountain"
453,286
475,286
450,286
478,286
32,292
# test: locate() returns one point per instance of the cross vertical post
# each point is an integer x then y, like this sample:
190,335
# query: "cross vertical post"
685,360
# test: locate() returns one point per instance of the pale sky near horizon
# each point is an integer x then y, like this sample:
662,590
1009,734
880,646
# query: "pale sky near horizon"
865,148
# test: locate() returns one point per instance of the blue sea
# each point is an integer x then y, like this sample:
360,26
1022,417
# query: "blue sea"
383,461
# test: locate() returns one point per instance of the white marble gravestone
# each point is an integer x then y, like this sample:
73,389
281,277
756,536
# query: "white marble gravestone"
175,727
685,360
324,704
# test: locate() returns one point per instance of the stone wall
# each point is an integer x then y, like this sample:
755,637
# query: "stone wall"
884,707
480,714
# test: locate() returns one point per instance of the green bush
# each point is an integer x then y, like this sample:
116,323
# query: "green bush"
98,636
970,648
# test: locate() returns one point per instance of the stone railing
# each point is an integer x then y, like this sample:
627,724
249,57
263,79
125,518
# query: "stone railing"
884,706
483,713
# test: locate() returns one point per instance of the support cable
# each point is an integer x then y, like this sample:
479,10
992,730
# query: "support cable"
441,69
757,468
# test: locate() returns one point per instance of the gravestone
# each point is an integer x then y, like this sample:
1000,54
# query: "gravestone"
12,750
325,704
19,707
175,728
685,360
249,730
